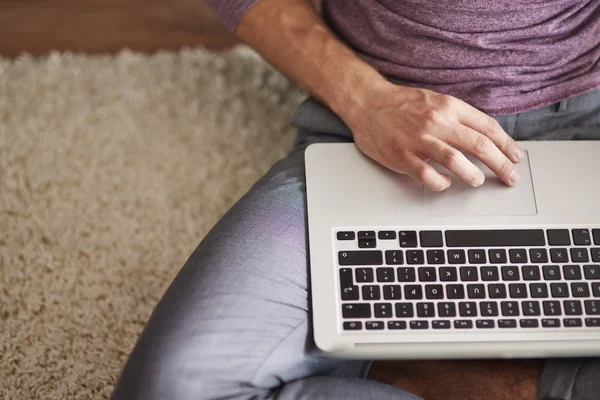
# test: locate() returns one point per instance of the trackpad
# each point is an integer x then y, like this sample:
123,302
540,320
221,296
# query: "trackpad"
493,198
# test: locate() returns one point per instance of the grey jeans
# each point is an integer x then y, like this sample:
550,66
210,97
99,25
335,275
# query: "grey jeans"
236,321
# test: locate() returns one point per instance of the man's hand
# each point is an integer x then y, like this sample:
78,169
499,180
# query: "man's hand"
402,127
399,127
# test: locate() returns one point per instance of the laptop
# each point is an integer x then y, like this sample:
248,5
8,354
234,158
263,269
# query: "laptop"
402,272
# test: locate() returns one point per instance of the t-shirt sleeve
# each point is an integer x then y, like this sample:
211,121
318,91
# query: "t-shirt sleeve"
230,11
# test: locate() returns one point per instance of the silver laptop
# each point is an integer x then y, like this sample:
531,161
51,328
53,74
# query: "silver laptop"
400,272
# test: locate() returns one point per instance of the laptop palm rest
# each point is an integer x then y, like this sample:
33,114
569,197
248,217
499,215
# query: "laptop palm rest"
493,198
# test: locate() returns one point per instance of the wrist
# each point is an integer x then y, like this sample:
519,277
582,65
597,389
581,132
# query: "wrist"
359,94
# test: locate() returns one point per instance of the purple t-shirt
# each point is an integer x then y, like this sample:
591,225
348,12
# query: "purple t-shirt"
501,56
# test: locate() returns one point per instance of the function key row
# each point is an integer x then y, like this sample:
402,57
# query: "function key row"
478,238
468,324
474,256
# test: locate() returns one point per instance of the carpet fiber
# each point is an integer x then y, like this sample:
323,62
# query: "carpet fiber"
112,169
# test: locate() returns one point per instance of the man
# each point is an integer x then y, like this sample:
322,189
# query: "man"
408,81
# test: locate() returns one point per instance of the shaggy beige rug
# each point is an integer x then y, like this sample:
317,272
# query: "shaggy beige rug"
112,169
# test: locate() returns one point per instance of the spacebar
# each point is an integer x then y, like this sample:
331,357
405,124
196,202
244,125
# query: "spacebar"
492,238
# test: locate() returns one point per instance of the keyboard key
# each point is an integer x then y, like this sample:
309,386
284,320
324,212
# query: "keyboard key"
467,309
531,308
385,275
404,310
517,290
558,237
440,324
408,238
457,257
463,324
595,255
407,274
477,257
427,274
490,274
365,275
510,273
579,255
538,290
434,292
551,272
448,274
371,292
488,309
383,310
572,272
592,307
413,292
396,325
510,308
552,308
476,291
572,307
386,235
356,310
538,256
596,289
485,324
559,255
352,326
425,310
347,288
497,291
581,237
415,257
531,273
374,325
529,323
370,235
495,238
497,256
394,257
349,293
551,323
596,233
455,292
591,272
360,257
446,309
580,289
559,289
431,239
592,322
419,324
345,235
367,244
572,322
392,292
469,274
518,256
507,323
436,257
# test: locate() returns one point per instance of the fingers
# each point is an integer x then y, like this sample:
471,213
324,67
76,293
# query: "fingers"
481,146
488,126
424,173
455,162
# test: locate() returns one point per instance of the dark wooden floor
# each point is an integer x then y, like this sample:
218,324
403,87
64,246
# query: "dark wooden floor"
101,26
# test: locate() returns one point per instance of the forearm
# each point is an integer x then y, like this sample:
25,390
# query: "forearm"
292,36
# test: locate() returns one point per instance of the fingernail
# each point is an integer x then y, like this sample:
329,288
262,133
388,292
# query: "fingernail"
514,177
518,154
480,182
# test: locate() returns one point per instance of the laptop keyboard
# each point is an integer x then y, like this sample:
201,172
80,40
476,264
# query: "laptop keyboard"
503,279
